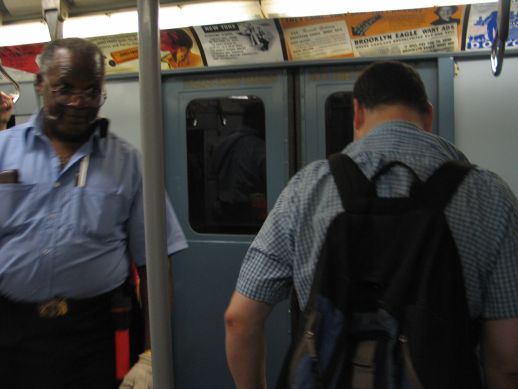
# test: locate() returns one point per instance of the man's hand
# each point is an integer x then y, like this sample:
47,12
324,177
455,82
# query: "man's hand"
140,376
6,109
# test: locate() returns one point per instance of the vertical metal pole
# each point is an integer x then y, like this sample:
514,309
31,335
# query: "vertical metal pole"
154,194
445,98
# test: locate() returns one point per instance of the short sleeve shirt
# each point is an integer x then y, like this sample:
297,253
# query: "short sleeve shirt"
59,238
482,215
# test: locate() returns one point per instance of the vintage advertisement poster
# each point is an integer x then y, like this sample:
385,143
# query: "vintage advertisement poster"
407,31
319,37
120,51
240,43
177,46
179,49
482,26
21,62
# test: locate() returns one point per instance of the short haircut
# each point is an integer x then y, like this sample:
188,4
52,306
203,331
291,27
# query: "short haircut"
391,82
74,45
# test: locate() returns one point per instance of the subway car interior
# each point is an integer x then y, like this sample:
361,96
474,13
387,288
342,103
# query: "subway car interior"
261,89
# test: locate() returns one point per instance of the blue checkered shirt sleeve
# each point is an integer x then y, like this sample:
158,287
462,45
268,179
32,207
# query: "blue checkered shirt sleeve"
266,272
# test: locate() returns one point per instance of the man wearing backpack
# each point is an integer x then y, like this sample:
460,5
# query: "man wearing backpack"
392,121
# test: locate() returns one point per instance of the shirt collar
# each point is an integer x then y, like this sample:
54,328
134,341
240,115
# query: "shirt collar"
397,126
34,132
388,137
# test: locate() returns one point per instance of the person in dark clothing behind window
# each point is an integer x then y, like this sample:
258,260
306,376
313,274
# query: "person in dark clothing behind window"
240,165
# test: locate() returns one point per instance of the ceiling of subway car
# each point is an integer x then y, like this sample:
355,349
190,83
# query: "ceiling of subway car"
18,10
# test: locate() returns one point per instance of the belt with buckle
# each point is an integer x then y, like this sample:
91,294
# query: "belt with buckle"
53,308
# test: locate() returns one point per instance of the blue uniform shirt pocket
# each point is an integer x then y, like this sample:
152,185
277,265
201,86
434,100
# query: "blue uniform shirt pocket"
16,205
97,213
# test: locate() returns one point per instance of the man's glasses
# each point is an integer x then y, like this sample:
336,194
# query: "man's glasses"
92,97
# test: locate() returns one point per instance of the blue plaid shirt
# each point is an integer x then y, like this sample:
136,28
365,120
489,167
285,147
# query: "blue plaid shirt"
482,215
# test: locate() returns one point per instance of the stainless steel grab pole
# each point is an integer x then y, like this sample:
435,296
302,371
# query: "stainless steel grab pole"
154,194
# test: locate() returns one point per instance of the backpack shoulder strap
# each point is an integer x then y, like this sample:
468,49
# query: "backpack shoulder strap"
389,166
349,179
443,183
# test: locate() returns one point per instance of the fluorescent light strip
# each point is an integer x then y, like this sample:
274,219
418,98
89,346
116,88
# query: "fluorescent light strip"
198,14
24,33
299,8
208,13
101,25
126,22
169,17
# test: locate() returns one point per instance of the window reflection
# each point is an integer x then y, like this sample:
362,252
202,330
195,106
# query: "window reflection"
226,164
339,121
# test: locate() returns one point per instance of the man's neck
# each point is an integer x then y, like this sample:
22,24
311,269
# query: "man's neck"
64,150
378,116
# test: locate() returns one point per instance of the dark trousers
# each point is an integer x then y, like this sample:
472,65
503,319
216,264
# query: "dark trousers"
73,351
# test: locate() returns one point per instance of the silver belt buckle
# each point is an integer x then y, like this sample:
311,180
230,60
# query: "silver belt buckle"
53,308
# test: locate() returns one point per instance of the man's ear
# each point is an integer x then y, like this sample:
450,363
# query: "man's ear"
428,118
38,84
359,116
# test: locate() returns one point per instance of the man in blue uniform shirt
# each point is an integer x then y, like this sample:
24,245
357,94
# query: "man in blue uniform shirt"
392,122
71,223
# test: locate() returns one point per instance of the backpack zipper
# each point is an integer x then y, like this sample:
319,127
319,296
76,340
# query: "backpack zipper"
309,336
409,366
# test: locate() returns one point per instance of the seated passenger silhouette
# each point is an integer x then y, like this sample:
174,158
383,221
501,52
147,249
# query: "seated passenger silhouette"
239,163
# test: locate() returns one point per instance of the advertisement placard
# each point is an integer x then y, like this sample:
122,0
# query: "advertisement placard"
256,41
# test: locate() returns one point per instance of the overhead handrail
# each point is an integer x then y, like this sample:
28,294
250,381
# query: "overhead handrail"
16,95
502,32
55,12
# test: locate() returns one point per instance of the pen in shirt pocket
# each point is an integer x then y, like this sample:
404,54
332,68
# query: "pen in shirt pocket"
83,171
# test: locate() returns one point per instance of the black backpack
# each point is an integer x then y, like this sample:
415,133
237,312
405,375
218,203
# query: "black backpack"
387,307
